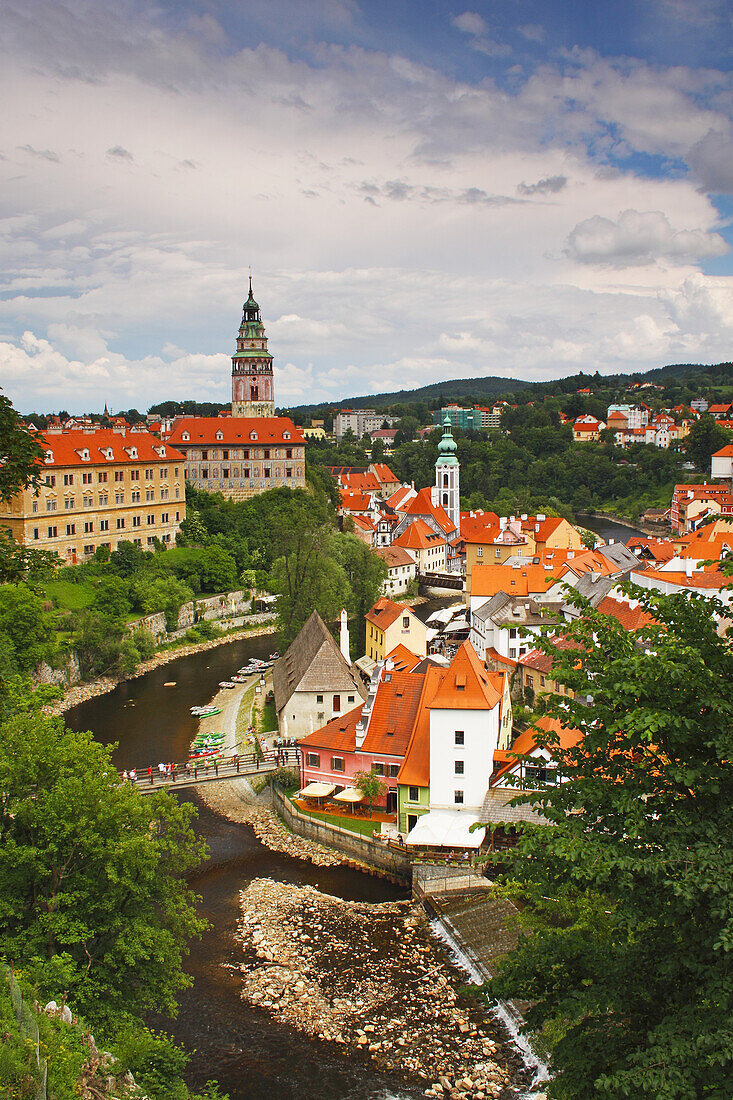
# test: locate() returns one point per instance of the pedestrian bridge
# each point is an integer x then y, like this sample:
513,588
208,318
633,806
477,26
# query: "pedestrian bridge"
194,773
442,580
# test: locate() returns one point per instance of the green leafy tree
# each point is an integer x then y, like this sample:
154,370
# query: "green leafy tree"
26,629
21,452
93,897
96,639
365,571
112,598
628,892
25,563
166,593
705,438
370,785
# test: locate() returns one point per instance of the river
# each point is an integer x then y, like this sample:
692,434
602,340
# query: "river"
608,529
251,1055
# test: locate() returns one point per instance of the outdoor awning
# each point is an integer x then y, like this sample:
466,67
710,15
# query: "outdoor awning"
349,794
318,790
456,627
446,829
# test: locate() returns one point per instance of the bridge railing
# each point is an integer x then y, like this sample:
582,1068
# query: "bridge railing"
205,769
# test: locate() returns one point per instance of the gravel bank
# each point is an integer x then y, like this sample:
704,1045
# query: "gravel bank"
373,979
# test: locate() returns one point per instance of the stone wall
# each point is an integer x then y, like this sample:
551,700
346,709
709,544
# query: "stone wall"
360,847
228,605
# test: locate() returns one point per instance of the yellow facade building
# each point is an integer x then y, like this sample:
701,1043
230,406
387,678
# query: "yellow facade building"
100,487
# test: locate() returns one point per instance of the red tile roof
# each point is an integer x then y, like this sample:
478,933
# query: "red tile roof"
467,684
506,759
383,473
630,618
385,612
394,555
105,445
418,536
393,714
487,580
422,505
415,770
235,431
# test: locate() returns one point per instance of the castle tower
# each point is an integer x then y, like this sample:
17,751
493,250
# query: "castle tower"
447,479
252,391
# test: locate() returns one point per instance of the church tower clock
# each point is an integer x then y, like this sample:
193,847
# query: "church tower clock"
252,383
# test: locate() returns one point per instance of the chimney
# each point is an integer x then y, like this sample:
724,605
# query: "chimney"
688,567
541,517
344,637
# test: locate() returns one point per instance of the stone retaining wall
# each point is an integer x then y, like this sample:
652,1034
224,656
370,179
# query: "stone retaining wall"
360,847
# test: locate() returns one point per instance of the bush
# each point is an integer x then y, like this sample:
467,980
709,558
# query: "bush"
144,642
208,630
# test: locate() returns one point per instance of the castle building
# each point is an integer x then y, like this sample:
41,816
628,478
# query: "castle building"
100,487
447,476
252,381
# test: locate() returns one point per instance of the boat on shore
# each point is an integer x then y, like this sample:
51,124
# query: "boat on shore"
226,684
205,712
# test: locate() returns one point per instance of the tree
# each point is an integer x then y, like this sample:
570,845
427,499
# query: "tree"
365,572
21,452
705,438
161,592
25,627
629,890
93,897
25,563
370,785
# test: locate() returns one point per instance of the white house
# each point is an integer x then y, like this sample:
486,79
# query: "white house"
401,569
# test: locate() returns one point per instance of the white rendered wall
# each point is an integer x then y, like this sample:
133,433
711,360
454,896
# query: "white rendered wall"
480,735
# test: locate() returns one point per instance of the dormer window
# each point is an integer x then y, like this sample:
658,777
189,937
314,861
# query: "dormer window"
48,457
253,435
109,454
185,436
83,455
286,435
220,435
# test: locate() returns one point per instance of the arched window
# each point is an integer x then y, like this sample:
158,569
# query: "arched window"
445,499
445,481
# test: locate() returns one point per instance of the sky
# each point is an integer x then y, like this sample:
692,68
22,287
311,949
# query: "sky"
423,191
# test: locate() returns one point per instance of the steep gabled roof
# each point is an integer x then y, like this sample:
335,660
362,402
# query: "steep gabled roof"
313,662
394,556
418,536
467,685
385,612
505,760
415,770
422,505
235,431
383,473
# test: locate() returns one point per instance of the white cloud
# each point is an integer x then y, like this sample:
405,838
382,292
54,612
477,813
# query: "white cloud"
640,238
470,22
400,223
533,32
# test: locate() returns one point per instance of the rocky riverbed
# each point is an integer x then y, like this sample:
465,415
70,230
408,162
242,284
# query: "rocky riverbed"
373,979
236,801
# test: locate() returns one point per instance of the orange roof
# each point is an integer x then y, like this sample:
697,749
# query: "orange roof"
415,770
359,482
363,523
697,580
724,452
660,549
476,526
487,580
543,662
589,562
385,612
354,501
397,500
105,445
383,473
403,658
235,431
418,536
468,685
339,733
526,742
630,618
394,555
422,505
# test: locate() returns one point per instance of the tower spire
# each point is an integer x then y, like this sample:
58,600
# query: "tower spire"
252,389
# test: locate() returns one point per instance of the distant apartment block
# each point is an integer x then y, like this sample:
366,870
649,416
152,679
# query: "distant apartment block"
100,487
359,421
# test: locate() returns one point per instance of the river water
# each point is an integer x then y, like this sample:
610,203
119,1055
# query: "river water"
252,1055
608,529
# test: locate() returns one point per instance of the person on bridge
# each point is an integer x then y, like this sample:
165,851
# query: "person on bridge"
188,769
133,775
173,772
162,771
150,775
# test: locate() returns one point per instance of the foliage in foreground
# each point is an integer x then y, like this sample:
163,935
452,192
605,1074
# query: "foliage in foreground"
629,894
93,899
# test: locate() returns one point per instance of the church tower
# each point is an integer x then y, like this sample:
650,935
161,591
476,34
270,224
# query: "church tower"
252,392
447,480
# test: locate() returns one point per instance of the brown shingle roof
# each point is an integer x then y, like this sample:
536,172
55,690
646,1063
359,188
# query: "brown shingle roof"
313,662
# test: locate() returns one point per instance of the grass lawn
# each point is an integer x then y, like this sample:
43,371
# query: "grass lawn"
268,718
353,824
70,597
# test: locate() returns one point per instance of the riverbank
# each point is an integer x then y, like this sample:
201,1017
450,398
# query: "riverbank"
371,978
80,693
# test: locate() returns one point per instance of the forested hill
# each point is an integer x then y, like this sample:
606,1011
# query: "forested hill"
492,387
